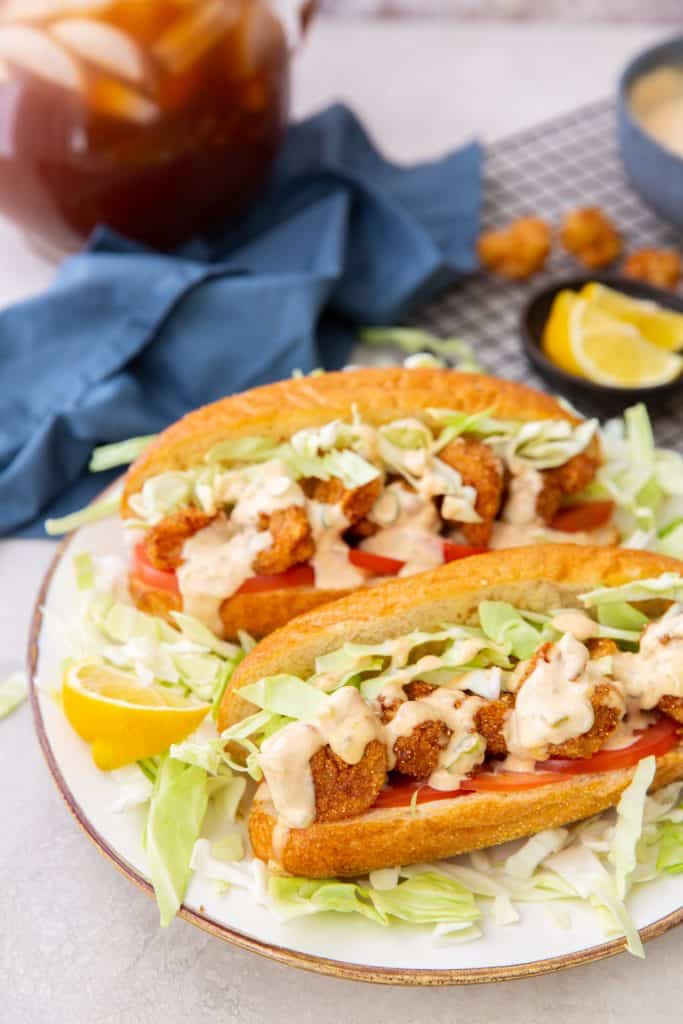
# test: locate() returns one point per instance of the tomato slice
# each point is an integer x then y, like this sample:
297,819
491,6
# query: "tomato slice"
297,576
588,516
378,564
509,781
658,739
399,794
452,552
158,579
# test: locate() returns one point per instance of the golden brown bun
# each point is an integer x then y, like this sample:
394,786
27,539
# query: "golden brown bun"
382,394
256,614
444,828
536,578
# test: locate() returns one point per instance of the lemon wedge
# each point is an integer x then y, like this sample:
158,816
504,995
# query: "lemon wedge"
556,342
660,326
122,719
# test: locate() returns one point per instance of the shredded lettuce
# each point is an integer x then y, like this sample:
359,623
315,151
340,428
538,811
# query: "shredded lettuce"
93,513
418,341
121,453
509,629
284,695
13,692
176,813
620,615
670,852
622,853
84,571
668,587
161,495
189,657
424,898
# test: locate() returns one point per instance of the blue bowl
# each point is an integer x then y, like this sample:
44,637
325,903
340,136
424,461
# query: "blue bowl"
654,171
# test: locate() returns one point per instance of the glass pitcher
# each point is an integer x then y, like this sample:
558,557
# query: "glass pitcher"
160,118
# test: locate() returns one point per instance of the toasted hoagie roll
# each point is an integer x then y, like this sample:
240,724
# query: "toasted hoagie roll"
269,503
485,701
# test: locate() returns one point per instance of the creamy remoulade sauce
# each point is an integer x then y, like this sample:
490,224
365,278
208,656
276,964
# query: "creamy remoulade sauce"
552,705
409,525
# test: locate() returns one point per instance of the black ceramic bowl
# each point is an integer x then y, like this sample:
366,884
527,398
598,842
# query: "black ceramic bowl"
599,397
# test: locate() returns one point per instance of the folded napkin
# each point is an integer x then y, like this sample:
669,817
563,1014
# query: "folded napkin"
128,339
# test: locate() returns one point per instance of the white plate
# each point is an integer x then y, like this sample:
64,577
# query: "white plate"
330,944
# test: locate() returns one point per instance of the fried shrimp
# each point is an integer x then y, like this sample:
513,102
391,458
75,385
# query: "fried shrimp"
607,717
480,468
590,236
490,719
661,267
417,755
292,540
673,707
563,481
344,790
355,504
164,542
517,251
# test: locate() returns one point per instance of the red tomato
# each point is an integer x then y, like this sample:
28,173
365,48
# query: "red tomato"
509,781
380,565
399,794
659,739
377,564
588,516
452,552
298,576
158,579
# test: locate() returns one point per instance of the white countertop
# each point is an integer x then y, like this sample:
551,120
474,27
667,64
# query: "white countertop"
78,942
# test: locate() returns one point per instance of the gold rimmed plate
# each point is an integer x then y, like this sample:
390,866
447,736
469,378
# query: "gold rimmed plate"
343,946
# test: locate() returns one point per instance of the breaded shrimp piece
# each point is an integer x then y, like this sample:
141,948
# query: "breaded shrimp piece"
490,719
673,707
164,542
355,504
292,540
563,481
344,790
607,717
517,251
590,236
607,708
480,468
661,267
417,755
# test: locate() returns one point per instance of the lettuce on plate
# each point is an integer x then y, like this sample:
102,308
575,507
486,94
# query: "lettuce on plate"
176,812
13,692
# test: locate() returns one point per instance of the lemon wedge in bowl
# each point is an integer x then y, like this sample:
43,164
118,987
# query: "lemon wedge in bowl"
583,339
121,718
662,327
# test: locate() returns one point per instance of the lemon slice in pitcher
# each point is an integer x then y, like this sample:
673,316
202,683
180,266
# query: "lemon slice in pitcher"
662,327
122,719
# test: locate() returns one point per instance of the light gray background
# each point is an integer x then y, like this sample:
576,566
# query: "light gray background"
571,10
78,943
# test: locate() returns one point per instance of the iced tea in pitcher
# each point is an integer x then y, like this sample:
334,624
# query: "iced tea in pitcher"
158,117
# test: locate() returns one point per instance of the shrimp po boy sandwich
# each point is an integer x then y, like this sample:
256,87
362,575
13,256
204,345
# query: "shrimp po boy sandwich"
490,699
269,503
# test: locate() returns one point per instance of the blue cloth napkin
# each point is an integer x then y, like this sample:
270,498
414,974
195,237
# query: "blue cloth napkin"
128,339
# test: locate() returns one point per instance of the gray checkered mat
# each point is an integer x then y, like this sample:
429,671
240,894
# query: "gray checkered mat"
545,171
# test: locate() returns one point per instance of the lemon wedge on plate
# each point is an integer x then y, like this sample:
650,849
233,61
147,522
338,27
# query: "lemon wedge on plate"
582,339
663,327
121,718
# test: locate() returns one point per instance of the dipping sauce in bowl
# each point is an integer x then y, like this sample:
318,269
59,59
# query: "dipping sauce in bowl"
650,127
656,100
